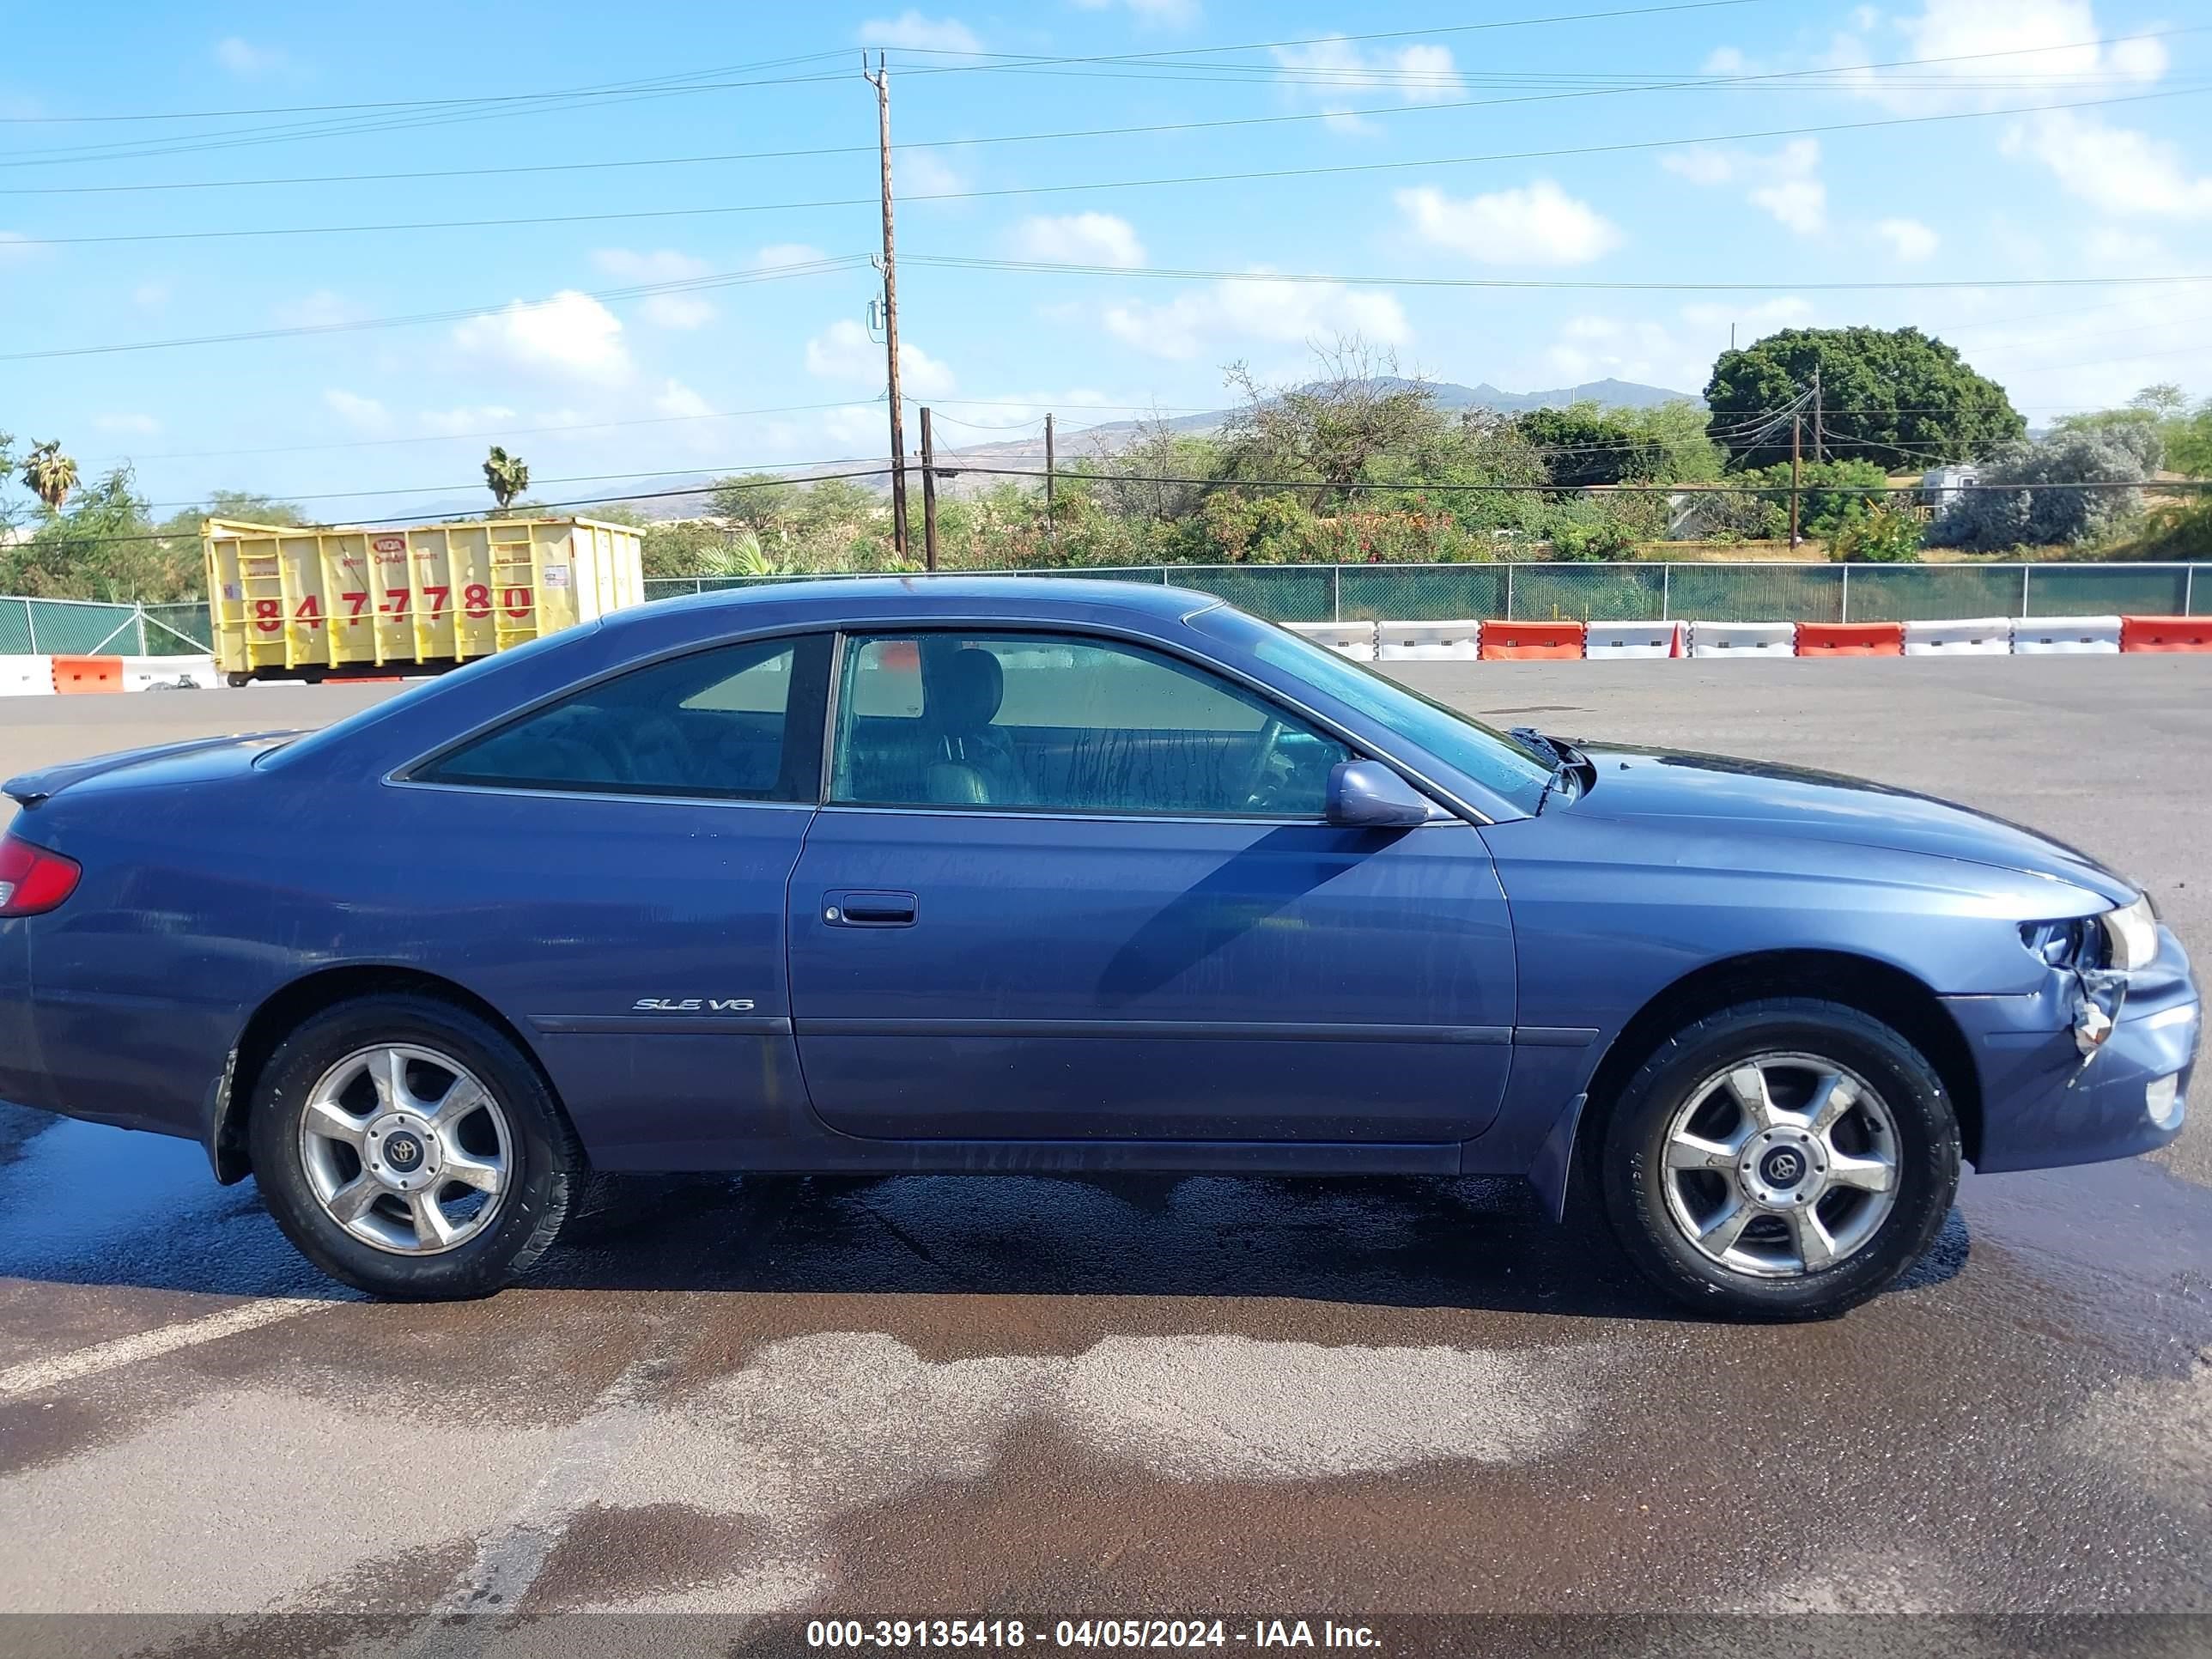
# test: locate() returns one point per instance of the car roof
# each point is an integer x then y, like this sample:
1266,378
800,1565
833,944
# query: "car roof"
1015,598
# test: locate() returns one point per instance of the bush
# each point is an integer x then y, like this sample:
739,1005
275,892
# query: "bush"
1583,532
1884,536
1990,520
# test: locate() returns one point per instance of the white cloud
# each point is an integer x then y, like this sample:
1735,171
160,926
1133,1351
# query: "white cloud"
571,333
670,310
1088,239
1152,14
1908,239
2047,41
786,253
140,426
150,295
915,33
1337,75
464,420
2117,169
317,309
676,399
925,173
363,413
249,62
1248,308
843,351
1541,225
1784,182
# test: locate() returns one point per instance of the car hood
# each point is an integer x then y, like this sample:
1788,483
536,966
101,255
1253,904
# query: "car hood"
1718,793
32,787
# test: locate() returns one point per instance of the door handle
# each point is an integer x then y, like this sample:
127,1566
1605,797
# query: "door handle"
867,908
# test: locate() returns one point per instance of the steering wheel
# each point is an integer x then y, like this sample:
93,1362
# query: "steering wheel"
1263,759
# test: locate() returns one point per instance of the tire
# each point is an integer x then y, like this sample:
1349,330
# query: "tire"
1693,1103
338,1063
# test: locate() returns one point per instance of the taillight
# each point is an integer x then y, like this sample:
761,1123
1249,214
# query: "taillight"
32,879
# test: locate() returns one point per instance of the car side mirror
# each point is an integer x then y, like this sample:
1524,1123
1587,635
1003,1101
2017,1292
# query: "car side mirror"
1368,795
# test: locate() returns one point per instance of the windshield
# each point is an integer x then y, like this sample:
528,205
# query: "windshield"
1500,763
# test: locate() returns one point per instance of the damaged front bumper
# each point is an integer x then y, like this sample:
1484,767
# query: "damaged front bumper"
2090,1067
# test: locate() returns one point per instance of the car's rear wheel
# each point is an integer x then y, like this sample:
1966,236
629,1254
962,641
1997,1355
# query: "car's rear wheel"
408,1149
1780,1159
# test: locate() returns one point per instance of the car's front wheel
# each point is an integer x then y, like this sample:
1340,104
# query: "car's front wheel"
1780,1159
408,1149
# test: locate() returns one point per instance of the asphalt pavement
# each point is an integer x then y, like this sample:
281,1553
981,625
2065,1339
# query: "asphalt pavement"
1006,1397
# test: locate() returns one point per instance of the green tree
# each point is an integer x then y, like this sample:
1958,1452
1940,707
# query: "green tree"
506,475
1896,397
49,474
1332,429
2019,506
1885,535
1832,494
105,546
1584,445
759,501
239,505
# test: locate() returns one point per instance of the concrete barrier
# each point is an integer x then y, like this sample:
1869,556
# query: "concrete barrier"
1632,639
2065,636
27,677
1513,639
1428,641
1712,639
1850,639
152,673
2166,632
1355,640
1976,636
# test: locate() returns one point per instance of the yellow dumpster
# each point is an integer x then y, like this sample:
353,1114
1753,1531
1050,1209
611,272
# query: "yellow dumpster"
306,604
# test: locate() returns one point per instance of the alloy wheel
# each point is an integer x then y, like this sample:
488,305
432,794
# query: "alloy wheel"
1781,1165
406,1149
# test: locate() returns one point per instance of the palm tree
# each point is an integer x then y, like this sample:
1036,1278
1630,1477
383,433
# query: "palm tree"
508,475
50,474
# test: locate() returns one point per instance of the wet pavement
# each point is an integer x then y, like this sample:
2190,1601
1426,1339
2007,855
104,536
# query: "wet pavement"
1016,1397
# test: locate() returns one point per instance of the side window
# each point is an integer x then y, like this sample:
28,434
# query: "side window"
1052,723
741,722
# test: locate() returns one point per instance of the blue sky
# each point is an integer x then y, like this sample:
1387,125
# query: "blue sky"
372,421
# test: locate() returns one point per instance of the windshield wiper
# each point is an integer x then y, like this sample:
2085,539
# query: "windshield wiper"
1565,759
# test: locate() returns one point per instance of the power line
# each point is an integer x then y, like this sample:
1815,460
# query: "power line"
1247,177
639,290
1198,274
1627,85
1164,52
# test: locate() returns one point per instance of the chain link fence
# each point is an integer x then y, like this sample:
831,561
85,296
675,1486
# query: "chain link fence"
1512,592
1763,591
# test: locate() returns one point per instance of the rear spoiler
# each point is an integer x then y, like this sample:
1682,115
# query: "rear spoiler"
32,787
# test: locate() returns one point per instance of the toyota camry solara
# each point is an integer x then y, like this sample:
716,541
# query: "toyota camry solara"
1042,875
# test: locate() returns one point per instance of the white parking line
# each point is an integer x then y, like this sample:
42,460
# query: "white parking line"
34,1374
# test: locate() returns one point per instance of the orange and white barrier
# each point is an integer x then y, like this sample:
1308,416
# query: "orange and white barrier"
74,676
1428,641
1850,639
2166,632
2065,636
97,675
1632,639
1712,639
1511,640
1355,640
1974,637
27,677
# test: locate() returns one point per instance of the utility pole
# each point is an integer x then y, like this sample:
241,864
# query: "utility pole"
1797,465
929,493
881,81
1819,445
1051,531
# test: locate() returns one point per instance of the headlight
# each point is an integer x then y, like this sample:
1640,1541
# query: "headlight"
2131,935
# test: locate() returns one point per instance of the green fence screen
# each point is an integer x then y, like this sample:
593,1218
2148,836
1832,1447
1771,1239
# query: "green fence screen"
1512,592
1748,592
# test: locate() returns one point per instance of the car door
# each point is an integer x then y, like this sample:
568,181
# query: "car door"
627,849
1069,886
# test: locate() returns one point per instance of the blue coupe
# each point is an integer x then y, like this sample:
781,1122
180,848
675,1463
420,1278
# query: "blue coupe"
984,875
